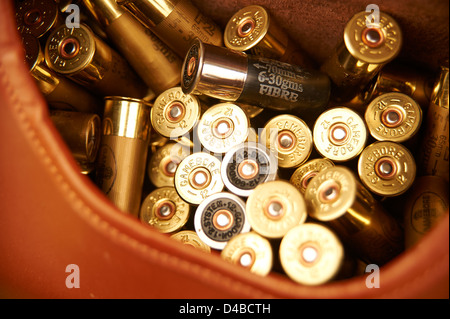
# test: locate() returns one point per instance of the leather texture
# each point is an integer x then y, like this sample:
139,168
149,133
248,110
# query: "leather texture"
52,216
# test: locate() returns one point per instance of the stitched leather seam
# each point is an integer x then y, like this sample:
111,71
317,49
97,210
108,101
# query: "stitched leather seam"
95,220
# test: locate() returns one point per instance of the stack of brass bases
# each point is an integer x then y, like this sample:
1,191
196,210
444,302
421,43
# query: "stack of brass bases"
231,139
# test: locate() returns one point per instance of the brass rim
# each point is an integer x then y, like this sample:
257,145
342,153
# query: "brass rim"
372,37
248,169
274,209
310,254
339,133
32,17
165,210
222,127
329,191
392,117
286,141
386,168
245,27
223,219
175,111
200,178
69,48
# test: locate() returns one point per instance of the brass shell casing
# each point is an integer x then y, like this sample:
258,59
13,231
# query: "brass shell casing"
387,168
176,22
303,174
155,63
311,254
393,117
164,210
253,30
222,126
122,157
58,91
219,218
175,114
163,163
434,156
334,196
427,202
339,134
406,79
82,133
197,177
246,166
83,57
273,208
234,76
290,138
190,238
37,17
250,251
362,54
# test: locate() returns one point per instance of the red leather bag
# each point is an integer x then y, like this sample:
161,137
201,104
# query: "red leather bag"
52,217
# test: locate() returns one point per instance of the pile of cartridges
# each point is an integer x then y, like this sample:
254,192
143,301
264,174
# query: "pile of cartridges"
234,141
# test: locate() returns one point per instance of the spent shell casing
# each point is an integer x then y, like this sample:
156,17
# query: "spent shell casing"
122,157
273,208
387,168
335,197
252,29
365,49
250,251
234,76
176,22
339,134
219,218
164,210
311,254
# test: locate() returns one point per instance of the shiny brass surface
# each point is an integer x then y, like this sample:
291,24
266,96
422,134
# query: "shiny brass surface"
197,177
273,208
155,63
406,79
190,238
250,251
83,57
427,202
290,138
175,114
234,76
176,22
434,156
59,92
311,254
303,174
339,134
37,17
362,54
164,209
163,163
122,157
387,168
219,218
394,117
207,70
82,133
334,196
253,30
222,126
